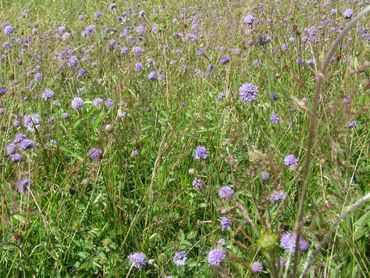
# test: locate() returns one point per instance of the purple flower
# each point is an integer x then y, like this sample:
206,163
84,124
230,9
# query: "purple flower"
200,152
152,76
138,66
274,118
97,101
348,13
11,149
265,176
138,51
180,258
290,160
81,73
95,154
8,30
248,92
225,192
109,103
256,267
97,14
225,223
216,256
352,124
2,90
73,62
224,60
277,196
77,103
220,96
137,259
310,62
274,96
47,94
32,122
248,19
17,157
26,144
112,6
197,183
65,115
19,138
288,241
24,185
264,39
37,77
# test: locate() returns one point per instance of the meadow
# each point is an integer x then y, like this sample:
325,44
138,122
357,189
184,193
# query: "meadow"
184,138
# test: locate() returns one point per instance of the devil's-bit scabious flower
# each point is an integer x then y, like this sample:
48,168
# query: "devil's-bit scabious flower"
265,176
224,60
26,144
225,192
256,267
95,154
277,196
152,76
32,122
138,259
138,50
73,62
2,91
220,96
77,103
200,152
47,94
352,124
274,96
348,13
248,92
180,258
248,19
225,223
8,30
216,256
197,183
97,102
274,118
37,77
109,103
24,185
288,241
290,160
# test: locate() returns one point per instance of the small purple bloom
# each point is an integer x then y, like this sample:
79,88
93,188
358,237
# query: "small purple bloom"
348,13
8,30
138,66
95,154
288,241
225,223
24,185
277,196
274,118
97,102
152,76
19,138
11,149
265,176
257,267
138,51
109,103
32,122
224,60
77,103
225,192
26,144
47,94
2,91
197,183
112,6
274,96
17,157
220,96
73,62
180,258
248,19
290,160
248,92
352,124
216,256
138,259
37,77
200,152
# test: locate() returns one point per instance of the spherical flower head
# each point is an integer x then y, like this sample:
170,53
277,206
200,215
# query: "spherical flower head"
47,94
265,176
248,19
197,183
26,144
352,124
277,195
11,149
274,118
220,96
95,154
138,51
290,160
24,185
32,122
256,267
19,138
97,14
152,76
225,223
97,102
264,39
77,103
180,258
138,259
274,96
216,256
138,66
112,6
2,91
109,103
248,92
288,241
17,157
37,77
348,13
73,62
225,192
65,115
200,152
224,60
8,30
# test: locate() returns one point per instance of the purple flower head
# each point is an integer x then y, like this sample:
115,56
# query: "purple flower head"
32,122
81,73
197,183
138,259
8,30
73,62
19,138
2,91
248,92
290,160
138,66
38,76
112,6
310,62
277,196
200,152
26,144
11,149
95,154
348,13
220,96
300,61
24,185
97,14
98,102
248,19
274,118
264,39
288,240
109,103
77,103
224,60
47,94
265,176
65,115
225,192
140,30
138,51
257,267
333,11
352,124
180,258
152,76
17,157
225,223
216,256
140,14
274,96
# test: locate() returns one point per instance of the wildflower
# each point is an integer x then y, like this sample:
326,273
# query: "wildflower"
348,13
17,157
24,185
248,92
95,154
32,122
138,67
138,51
256,267
225,223
26,144
197,183
277,196
19,138
73,62
2,91
274,118
225,192
97,101
180,258
274,96
288,241
77,103
248,19
222,242
264,39
8,30
11,149
152,76
109,103
216,256
224,60
265,176
290,160
38,76
47,94
112,6
138,259
220,96
200,153
352,124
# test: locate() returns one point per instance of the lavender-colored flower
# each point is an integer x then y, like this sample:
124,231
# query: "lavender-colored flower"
97,102
19,138
256,267
277,196
2,91
225,223
152,76
224,60
112,6
97,14
288,241
348,13
47,94
138,259
32,122
11,149
138,66
284,47
225,192
248,92
138,51
274,96
197,183
24,185
274,118
310,62
290,160
73,62
8,30
180,258
134,153
37,77
216,256
95,154
77,103
109,103
300,61
26,144
265,176
264,39
222,242
200,152
352,124
220,96
17,157
333,11
248,19
65,115
81,73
